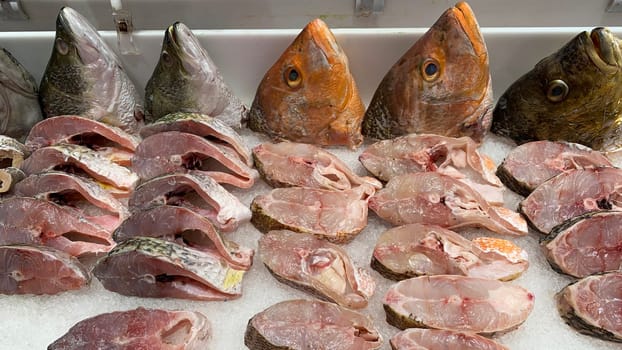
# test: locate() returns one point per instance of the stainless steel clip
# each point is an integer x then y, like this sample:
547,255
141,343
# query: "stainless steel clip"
365,8
125,28
12,10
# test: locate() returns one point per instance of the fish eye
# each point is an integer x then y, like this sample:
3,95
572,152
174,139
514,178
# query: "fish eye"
292,77
166,58
62,46
557,91
430,69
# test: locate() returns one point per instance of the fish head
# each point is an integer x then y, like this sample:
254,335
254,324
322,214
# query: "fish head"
308,87
187,79
441,85
571,95
77,41
182,51
14,76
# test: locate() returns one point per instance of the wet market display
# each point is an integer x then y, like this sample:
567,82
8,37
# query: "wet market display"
188,198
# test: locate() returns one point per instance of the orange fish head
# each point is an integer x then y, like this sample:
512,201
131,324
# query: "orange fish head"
309,95
441,85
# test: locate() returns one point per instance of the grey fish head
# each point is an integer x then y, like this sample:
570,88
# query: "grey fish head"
76,37
186,79
15,77
571,95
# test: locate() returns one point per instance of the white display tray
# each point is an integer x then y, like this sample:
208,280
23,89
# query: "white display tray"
32,322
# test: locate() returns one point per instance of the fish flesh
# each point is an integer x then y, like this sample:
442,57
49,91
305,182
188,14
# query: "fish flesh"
183,226
116,144
154,268
287,164
310,324
93,202
203,125
530,164
9,177
571,194
85,77
572,95
586,245
592,305
12,152
416,249
27,269
437,199
441,85
194,190
456,157
317,267
81,160
337,216
309,94
457,303
187,80
18,97
138,329
178,152
37,221
439,339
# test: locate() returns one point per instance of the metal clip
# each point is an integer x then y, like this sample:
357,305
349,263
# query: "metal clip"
365,8
615,6
125,28
12,10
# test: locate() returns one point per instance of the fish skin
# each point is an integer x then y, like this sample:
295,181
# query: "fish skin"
317,267
590,305
187,80
19,98
138,329
70,128
165,269
61,188
37,221
455,157
337,216
216,204
9,177
585,245
591,113
201,125
186,227
29,269
100,168
310,324
570,194
85,77
437,199
174,151
287,164
12,151
439,339
324,108
457,303
458,102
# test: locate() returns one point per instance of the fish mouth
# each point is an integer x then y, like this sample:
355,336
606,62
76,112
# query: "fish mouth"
183,44
603,49
325,40
73,27
465,16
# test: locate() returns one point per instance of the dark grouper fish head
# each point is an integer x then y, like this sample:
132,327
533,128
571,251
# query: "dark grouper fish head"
575,95
84,77
187,80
